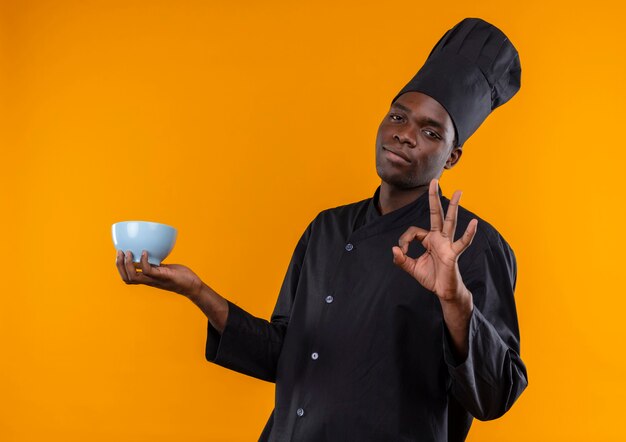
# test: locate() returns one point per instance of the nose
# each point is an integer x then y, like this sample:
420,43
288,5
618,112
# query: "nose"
403,136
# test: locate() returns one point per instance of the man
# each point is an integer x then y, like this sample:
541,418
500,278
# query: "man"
376,336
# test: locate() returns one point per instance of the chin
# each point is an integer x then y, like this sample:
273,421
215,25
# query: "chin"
397,180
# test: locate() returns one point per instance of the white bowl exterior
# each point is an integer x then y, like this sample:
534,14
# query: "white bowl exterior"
158,239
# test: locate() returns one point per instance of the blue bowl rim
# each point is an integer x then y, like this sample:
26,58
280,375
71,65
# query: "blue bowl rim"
145,222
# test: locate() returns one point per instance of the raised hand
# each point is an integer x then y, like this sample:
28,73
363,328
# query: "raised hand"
172,277
437,269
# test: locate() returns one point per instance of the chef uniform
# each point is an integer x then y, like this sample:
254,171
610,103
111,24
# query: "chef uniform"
358,349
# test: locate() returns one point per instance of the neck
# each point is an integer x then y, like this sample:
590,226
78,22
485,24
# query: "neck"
391,197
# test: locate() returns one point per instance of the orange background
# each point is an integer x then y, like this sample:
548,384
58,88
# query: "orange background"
237,123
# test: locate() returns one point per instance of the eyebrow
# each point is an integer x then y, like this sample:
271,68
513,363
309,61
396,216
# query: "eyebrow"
423,120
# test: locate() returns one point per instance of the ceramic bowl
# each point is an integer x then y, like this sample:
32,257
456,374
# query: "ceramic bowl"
158,239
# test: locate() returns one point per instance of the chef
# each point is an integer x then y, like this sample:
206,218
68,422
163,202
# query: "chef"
396,319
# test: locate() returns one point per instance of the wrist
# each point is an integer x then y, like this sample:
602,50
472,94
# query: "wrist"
196,291
459,309
462,299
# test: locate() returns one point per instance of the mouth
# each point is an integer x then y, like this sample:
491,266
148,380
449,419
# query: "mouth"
396,155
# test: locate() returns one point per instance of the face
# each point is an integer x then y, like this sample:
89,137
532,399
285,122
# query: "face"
414,142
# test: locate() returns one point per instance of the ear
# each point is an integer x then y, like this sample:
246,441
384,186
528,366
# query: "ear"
454,157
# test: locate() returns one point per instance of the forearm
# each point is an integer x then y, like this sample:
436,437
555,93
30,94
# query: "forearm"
457,316
247,344
214,306
492,376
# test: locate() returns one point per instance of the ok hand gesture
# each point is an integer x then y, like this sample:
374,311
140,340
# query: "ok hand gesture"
437,269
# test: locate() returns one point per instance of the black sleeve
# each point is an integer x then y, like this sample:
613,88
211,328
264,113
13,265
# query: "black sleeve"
252,345
493,375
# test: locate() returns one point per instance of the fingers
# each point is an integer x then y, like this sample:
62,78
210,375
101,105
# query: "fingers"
463,242
408,236
152,271
130,275
128,264
146,267
402,260
436,211
119,263
449,224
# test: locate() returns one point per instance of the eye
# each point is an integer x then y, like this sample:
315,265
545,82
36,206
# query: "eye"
433,135
395,117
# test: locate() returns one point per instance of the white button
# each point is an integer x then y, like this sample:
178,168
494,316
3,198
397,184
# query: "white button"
300,412
314,356
349,247
329,299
